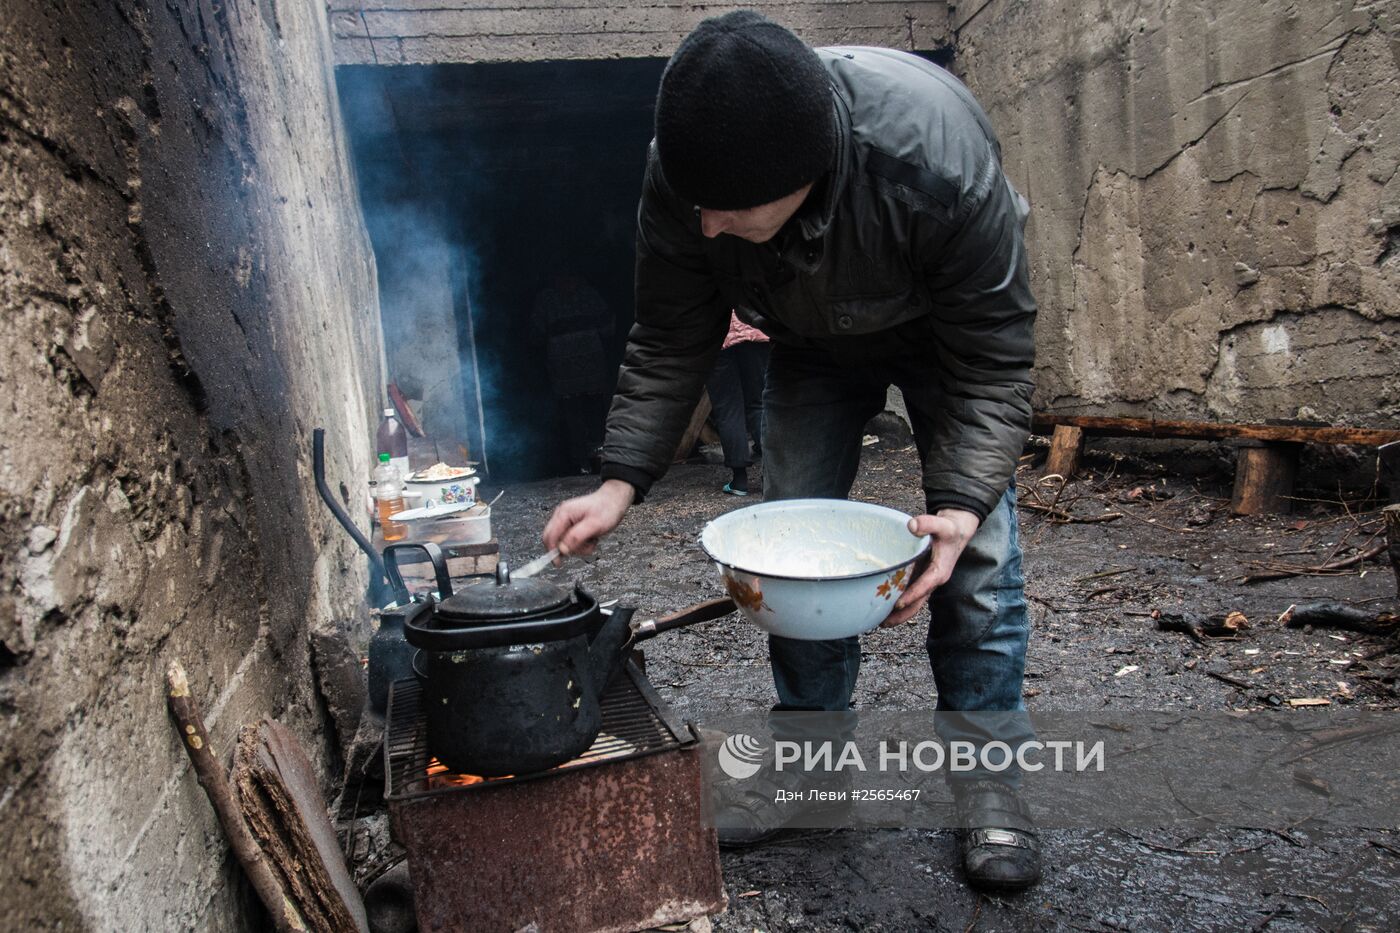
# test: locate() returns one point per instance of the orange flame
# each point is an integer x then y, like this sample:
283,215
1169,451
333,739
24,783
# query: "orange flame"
439,776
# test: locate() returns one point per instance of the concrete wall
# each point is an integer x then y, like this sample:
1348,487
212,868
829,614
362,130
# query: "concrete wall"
1215,200
186,289
419,32
1216,207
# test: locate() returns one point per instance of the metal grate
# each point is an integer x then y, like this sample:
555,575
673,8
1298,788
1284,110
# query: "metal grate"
635,723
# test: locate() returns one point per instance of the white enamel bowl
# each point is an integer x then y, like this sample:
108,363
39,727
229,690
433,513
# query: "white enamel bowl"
814,568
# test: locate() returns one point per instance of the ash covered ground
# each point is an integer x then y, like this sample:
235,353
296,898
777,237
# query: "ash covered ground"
1092,589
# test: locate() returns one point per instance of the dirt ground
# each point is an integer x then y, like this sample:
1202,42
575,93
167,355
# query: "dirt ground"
1092,588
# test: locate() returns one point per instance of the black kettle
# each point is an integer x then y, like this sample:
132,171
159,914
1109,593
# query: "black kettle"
513,669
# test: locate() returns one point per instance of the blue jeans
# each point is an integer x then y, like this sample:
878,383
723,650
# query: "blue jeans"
815,411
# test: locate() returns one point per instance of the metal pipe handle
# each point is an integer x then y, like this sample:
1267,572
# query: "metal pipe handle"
318,471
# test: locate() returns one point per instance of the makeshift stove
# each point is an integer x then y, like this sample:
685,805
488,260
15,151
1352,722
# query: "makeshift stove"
614,840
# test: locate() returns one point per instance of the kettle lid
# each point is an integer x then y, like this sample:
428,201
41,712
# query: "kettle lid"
503,599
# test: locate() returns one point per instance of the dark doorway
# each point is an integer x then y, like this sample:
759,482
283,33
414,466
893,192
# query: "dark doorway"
522,172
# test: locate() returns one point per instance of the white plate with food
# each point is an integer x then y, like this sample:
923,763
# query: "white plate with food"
439,473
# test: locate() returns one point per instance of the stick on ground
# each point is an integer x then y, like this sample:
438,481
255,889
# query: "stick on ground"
195,738
1328,613
1285,573
1391,514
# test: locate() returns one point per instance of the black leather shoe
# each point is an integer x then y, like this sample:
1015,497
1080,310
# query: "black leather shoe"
751,815
748,819
1000,848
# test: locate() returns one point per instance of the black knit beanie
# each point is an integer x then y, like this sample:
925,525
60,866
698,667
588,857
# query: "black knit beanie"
744,114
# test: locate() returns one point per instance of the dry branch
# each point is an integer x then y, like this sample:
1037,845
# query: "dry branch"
1198,627
1059,516
195,738
1329,614
1391,515
1283,573
1156,524
1232,681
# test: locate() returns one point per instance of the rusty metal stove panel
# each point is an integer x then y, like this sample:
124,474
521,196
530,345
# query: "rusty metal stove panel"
615,840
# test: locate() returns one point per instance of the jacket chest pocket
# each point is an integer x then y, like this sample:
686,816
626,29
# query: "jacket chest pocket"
856,274
868,314
865,296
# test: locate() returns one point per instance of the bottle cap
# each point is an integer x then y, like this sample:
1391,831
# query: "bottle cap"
388,413
384,458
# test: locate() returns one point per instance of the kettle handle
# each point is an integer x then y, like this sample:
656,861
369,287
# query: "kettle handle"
700,612
391,569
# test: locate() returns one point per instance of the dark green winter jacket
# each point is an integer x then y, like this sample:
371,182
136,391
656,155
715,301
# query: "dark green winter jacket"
910,246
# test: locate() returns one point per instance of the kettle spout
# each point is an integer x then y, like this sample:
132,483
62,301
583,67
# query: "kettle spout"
609,647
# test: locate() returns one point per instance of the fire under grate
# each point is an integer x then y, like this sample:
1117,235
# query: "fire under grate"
636,723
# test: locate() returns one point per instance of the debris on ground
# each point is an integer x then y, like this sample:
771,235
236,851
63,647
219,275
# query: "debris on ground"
1104,569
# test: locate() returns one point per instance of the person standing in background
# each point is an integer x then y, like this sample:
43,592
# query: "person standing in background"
736,394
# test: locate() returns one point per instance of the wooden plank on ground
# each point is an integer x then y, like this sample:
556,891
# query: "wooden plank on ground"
1045,423
1066,445
1264,475
281,800
692,430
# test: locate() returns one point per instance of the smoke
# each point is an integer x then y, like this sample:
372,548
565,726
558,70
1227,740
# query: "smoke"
479,183
423,262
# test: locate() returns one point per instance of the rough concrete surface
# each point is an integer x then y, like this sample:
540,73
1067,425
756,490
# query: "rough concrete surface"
187,289
1215,209
426,32
1215,204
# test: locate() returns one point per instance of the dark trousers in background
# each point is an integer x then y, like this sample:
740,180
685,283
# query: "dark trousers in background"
815,412
736,396
584,418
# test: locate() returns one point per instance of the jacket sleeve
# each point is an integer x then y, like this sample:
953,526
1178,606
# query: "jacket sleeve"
982,320
672,346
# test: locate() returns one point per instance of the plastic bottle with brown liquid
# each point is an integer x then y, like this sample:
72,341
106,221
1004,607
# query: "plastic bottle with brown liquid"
388,498
392,439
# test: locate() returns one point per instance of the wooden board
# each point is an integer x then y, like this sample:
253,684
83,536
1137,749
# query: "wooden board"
420,578
463,560
1065,448
1044,423
406,415
1264,476
281,800
692,430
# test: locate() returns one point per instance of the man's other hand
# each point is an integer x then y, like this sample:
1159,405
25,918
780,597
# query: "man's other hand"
950,530
577,524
